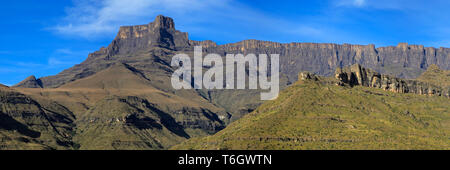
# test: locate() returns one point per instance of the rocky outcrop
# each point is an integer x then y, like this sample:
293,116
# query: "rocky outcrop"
308,76
30,82
356,75
159,33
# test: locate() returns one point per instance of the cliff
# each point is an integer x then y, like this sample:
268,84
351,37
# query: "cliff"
160,39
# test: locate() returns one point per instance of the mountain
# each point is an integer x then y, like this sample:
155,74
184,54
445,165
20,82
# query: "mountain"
118,108
30,82
321,113
150,47
121,96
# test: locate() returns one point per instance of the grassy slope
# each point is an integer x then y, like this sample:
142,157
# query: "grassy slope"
108,126
107,95
25,124
308,115
436,76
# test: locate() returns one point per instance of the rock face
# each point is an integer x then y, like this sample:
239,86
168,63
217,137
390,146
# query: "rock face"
307,76
30,82
403,60
159,33
407,61
356,75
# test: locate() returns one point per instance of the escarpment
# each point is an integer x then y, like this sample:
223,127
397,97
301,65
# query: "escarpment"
159,39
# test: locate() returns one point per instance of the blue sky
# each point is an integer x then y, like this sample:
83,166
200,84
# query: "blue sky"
44,37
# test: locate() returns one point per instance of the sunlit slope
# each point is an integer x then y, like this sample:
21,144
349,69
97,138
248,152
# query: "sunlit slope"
310,115
127,123
119,108
436,76
26,124
117,76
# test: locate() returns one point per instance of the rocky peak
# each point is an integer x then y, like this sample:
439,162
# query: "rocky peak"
159,33
163,22
139,31
30,82
402,46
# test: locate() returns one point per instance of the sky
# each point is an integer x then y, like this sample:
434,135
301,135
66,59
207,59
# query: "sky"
43,38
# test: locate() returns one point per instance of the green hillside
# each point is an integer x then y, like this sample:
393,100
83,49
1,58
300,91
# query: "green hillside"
436,76
314,115
28,125
127,123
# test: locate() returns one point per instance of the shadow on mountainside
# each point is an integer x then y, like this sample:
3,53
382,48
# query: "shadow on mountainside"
8,123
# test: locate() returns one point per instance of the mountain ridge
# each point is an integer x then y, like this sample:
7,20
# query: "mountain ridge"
121,97
118,76
30,82
403,60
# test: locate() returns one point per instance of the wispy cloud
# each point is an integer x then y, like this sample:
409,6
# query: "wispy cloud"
389,4
351,3
99,19
93,18
213,19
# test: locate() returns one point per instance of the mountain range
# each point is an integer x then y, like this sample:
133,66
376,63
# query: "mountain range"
121,97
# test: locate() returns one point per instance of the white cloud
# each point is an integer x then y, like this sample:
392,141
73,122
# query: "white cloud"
207,18
359,3
386,4
93,18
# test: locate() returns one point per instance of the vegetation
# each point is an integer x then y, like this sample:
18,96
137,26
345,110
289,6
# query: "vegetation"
311,115
436,76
